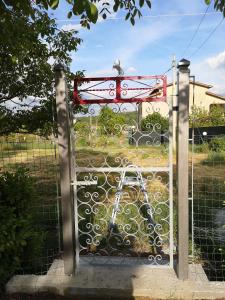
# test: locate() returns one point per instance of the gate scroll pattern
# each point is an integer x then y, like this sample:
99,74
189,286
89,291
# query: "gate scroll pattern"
123,173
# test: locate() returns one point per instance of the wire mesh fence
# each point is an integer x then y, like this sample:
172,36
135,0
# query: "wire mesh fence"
38,159
207,205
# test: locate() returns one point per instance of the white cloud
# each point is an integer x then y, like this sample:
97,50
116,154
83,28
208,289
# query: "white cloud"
131,70
99,46
210,72
217,61
68,27
141,36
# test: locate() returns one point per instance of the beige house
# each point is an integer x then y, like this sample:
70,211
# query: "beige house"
200,96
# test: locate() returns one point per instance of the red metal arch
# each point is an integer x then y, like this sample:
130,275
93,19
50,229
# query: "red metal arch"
154,91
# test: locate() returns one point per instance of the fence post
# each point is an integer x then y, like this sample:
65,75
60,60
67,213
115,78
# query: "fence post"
182,167
65,169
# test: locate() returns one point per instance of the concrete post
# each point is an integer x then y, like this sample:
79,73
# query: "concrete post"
65,170
182,167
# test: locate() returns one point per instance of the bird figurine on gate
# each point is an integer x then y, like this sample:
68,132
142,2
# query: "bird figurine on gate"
118,67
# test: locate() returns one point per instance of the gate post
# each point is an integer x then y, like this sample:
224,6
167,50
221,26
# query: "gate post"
182,167
65,169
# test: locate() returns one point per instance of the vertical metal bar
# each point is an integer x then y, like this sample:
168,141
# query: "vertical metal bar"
171,177
77,250
118,90
182,169
65,170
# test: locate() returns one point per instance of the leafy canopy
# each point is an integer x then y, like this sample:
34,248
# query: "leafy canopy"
155,122
200,117
29,42
110,122
219,5
88,10
30,39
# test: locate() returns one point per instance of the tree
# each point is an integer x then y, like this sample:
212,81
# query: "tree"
219,5
110,122
155,122
26,47
29,39
28,43
88,10
200,117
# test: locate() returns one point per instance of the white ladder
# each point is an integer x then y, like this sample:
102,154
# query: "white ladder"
137,180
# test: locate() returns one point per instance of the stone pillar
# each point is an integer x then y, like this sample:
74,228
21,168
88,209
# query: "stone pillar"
182,167
65,169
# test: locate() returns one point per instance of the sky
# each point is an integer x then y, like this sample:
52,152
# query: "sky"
147,48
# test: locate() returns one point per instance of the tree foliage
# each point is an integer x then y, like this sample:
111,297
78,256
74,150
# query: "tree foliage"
26,46
110,122
217,143
155,122
219,5
88,10
200,117
29,41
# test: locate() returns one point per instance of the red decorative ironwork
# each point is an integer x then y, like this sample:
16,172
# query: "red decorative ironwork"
119,90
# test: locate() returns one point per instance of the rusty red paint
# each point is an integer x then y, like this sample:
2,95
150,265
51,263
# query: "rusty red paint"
119,90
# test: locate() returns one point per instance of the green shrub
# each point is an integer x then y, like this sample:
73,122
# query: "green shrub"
19,241
214,158
201,148
110,122
82,128
156,122
200,117
217,144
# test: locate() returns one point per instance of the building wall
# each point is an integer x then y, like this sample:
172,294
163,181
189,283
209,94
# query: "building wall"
201,99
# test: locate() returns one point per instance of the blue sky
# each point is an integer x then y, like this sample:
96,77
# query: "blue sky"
148,47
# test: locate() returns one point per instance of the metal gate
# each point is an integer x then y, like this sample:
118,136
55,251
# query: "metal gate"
123,181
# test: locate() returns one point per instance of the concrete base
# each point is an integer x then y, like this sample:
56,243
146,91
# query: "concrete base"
111,282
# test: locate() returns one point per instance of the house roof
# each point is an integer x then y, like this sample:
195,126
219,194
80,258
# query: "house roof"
215,95
208,86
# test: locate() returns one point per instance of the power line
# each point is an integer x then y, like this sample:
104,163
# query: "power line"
208,37
150,16
196,31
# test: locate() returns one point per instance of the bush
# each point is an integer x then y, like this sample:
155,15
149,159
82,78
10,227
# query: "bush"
82,128
156,122
19,241
200,117
201,148
110,122
214,158
217,143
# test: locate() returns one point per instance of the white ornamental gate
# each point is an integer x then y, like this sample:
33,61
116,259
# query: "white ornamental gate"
123,171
